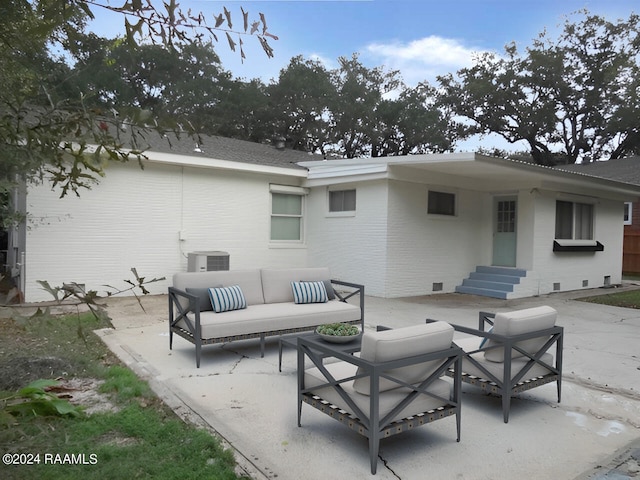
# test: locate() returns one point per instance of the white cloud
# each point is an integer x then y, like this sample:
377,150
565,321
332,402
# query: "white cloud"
423,59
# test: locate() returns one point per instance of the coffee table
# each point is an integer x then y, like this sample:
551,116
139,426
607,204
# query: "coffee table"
292,342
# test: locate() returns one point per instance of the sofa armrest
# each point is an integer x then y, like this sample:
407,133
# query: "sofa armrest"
485,317
175,306
357,290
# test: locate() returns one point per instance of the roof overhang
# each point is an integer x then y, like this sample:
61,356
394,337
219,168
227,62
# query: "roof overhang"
463,170
182,160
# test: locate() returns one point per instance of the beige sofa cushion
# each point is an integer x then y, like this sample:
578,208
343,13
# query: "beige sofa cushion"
276,282
274,316
388,400
400,343
518,322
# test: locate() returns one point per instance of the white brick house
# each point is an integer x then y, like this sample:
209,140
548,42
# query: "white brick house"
400,225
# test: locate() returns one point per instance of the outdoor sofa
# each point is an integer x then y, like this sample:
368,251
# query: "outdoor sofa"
258,303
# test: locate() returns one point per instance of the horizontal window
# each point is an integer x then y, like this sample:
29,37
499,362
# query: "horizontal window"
441,203
342,200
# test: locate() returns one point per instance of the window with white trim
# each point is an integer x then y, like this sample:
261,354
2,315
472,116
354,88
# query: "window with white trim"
342,200
441,203
628,208
287,213
574,221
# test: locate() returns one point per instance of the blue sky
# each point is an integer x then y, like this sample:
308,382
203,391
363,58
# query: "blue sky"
421,38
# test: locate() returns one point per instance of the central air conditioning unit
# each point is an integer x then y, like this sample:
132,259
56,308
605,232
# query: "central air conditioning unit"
207,261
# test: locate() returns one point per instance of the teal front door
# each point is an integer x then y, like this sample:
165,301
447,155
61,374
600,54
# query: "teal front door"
504,231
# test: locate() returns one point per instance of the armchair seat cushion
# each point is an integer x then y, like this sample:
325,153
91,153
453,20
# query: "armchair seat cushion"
497,369
388,400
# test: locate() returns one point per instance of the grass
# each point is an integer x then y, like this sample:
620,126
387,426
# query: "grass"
627,299
141,438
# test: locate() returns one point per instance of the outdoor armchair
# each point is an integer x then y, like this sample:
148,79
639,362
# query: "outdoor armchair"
515,354
394,384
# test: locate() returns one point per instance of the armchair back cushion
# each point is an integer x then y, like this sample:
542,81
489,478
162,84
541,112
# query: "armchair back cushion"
518,322
276,282
402,343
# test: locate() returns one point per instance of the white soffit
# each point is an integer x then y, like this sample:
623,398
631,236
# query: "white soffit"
480,170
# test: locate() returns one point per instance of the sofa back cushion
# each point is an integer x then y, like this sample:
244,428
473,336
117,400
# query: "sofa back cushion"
518,322
401,343
276,282
248,280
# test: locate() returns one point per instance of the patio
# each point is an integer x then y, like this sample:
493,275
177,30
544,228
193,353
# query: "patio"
253,407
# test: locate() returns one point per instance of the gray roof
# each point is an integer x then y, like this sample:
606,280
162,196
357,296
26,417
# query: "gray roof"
625,170
231,149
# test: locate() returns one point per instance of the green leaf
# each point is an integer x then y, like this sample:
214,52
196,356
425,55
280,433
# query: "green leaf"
37,386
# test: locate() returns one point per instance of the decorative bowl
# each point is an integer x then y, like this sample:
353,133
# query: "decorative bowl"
338,332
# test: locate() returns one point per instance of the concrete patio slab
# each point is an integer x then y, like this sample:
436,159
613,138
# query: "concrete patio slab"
252,407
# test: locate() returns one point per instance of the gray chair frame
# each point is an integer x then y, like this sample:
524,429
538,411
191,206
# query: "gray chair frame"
374,427
192,316
506,386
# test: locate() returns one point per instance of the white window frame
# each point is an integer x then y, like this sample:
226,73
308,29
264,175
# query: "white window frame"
343,212
628,211
438,191
288,190
575,220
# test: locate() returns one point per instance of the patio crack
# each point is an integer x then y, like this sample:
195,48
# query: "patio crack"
237,362
386,465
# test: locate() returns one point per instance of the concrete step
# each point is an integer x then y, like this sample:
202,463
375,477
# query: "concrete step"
488,285
494,277
482,292
512,272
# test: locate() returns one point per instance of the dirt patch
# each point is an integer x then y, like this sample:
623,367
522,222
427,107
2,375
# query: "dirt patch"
85,392
16,372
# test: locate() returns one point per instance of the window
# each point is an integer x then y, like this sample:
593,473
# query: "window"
286,216
342,200
506,216
574,221
441,203
628,206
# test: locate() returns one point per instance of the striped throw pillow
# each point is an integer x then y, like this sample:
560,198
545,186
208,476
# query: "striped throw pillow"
309,292
225,299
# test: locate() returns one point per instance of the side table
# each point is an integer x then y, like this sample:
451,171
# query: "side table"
291,341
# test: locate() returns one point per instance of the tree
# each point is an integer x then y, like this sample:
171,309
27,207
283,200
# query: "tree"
359,92
300,100
413,123
164,86
46,134
572,98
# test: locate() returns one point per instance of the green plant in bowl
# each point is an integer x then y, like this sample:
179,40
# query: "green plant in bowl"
338,332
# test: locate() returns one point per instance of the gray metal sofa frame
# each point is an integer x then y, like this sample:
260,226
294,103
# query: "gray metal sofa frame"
192,313
374,427
509,384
